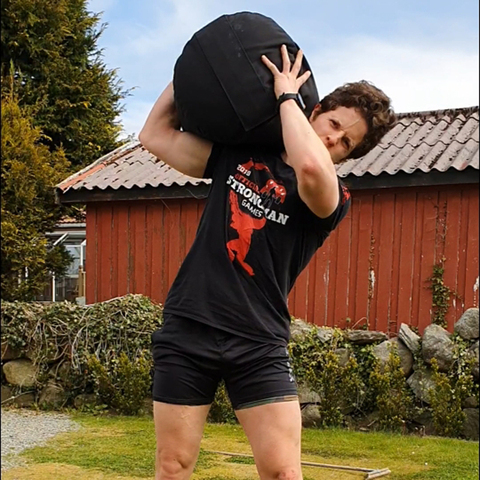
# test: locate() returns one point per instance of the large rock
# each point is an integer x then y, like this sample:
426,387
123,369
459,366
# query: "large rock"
409,338
25,400
343,355
310,416
21,373
325,334
421,382
299,329
436,344
382,352
468,325
364,337
470,427
52,395
61,371
406,356
470,402
310,412
9,353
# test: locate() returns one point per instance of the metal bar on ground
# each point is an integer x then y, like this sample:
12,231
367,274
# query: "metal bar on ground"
371,473
378,474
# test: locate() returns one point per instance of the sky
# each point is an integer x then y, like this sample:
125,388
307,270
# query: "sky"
422,53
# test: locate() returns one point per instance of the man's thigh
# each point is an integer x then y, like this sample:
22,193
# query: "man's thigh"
187,363
274,433
258,373
178,431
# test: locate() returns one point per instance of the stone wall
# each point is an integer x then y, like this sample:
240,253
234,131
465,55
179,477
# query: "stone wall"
20,383
436,343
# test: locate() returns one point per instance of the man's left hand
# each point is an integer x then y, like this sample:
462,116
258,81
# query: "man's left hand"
286,81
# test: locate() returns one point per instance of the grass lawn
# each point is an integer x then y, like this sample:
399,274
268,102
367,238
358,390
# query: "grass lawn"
108,448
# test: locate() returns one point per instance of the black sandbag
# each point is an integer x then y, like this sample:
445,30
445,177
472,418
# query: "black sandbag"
224,92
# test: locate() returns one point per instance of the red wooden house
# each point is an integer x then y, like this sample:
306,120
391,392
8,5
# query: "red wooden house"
415,204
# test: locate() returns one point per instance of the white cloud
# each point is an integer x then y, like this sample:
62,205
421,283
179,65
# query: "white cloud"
416,77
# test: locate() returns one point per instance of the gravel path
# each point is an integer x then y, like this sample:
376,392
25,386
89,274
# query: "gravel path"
23,429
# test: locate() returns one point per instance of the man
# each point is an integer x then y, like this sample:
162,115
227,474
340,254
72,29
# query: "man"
226,315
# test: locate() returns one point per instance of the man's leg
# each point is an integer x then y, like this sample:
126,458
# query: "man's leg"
274,433
178,430
186,376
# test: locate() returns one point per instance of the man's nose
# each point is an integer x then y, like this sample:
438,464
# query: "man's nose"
333,138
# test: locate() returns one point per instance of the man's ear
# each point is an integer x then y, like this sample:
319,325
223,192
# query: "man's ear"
315,112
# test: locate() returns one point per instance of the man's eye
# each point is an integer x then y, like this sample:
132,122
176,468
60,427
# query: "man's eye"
346,143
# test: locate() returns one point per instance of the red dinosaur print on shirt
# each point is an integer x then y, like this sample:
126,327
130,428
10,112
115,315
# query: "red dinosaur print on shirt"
244,223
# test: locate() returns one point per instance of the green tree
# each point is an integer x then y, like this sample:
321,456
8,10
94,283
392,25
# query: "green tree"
29,172
51,48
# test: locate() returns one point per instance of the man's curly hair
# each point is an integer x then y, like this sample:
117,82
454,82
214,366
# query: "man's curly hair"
373,105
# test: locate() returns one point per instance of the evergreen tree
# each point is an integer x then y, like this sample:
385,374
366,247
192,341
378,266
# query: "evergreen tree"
51,49
29,173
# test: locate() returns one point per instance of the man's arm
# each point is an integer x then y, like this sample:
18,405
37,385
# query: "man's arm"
308,156
161,136
306,153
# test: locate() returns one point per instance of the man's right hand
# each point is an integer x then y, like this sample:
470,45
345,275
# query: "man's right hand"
161,136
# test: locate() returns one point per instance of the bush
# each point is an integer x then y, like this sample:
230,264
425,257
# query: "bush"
366,363
115,333
451,390
122,383
316,363
221,410
394,400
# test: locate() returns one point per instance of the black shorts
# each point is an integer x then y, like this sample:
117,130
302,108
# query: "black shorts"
191,358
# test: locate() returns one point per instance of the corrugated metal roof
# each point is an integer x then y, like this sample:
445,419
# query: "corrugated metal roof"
425,141
126,167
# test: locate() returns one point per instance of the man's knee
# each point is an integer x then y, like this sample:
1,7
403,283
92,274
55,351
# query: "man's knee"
282,473
173,465
288,474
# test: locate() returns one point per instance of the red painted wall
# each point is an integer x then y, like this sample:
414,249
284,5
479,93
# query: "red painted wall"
373,269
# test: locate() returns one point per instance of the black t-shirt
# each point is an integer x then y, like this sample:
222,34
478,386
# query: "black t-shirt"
254,238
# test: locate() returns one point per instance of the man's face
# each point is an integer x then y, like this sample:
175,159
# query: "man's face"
340,130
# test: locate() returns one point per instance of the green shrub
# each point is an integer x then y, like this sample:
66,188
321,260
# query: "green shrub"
221,410
316,364
366,363
122,383
394,400
441,294
18,322
450,391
